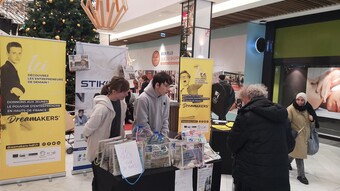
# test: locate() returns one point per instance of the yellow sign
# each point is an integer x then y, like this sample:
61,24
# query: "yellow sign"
195,94
32,141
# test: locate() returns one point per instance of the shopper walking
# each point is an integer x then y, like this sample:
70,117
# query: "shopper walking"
259,144
301,121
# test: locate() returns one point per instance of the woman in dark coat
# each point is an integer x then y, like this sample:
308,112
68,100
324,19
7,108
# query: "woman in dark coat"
258,142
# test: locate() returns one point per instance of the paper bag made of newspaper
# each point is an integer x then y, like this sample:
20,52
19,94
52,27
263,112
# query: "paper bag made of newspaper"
157,155
102,150
187,155
109,160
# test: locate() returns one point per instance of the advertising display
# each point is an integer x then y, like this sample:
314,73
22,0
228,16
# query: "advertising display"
323,91
32,133
106,62
195,83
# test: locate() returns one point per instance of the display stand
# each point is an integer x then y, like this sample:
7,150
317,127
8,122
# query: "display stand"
218,142
18,181
152,179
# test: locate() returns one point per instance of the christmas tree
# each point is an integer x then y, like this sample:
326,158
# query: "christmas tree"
61,20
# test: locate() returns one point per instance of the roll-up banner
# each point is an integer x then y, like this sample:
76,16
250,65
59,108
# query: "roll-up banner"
32,134
104,62
195,83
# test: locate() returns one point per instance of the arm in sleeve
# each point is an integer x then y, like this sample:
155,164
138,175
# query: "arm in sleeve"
142,109
93,123
238,135
165,119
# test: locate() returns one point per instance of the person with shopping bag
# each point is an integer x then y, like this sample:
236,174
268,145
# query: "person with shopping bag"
301,121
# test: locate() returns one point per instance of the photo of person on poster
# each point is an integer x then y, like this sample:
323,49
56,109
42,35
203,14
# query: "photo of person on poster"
186,87
11,88
323,90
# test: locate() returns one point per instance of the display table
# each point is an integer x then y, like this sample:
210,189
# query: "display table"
160,179
218,142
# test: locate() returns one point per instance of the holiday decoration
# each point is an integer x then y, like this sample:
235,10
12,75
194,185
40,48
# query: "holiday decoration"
68,23
106,14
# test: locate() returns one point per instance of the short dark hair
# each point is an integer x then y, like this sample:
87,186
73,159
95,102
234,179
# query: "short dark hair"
13,44
119,84
185,72
221,77
161,78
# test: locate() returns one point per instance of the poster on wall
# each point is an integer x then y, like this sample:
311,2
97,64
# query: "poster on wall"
78,62
195,94
32,134
323,91
106,62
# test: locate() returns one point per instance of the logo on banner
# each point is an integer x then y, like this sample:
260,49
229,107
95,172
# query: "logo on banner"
155,58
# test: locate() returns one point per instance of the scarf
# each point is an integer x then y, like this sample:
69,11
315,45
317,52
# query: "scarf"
300,108
310,110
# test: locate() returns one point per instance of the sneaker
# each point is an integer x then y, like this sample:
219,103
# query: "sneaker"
290,167
303,180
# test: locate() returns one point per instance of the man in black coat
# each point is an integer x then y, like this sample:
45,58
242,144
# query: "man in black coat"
11,89
259,143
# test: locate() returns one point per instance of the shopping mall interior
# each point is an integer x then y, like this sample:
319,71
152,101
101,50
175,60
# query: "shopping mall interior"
287,45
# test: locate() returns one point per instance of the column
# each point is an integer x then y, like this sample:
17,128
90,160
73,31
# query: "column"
195,30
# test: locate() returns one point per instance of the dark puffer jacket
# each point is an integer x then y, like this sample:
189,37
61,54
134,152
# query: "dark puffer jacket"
258,141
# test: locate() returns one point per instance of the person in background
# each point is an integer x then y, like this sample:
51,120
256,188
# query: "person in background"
129,100
300,121
259,144
230,94
80,119
107,119
153,106
145,82
135,86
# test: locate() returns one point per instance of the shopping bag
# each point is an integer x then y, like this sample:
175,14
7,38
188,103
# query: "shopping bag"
313,141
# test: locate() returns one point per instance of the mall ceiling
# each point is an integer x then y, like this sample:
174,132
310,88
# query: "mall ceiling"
255,14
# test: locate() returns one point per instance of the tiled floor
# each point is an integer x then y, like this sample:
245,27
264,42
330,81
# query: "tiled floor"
322,171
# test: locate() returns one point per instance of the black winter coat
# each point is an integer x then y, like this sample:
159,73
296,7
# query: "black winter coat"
258,142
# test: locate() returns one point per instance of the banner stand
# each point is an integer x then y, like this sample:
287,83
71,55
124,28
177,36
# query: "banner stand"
32,178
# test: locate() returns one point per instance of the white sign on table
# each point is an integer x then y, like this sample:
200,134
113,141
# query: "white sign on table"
128,159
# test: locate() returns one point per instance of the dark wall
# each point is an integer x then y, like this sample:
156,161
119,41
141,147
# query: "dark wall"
293,82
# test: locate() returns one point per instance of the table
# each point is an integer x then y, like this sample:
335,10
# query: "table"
152,180
218,142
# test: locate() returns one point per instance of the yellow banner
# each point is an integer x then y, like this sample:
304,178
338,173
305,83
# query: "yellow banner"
32,136
195,94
